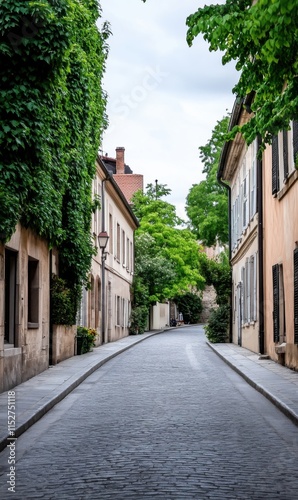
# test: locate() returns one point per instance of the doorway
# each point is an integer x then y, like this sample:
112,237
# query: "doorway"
10,296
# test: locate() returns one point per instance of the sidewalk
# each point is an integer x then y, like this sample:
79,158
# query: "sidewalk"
276,382
38,395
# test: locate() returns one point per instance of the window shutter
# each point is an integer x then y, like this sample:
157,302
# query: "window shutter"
248,283
285,153
253,189
255,288
242,294
295,142
275,280
275,165
296,296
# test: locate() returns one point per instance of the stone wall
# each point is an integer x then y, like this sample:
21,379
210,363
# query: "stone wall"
208,303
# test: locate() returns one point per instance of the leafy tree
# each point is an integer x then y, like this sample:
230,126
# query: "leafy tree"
166,257
52,110
175,246
262,37
207,202
217,272
190,305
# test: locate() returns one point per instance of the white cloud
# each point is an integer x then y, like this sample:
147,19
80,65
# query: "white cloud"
164,97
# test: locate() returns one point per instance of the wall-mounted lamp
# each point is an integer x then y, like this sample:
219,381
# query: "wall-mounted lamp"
103,238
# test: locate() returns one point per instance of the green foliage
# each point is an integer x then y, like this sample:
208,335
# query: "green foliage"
166,257
207,202
63,302
190,304
263,40
52,116
87,337
138,319
217,273
217,327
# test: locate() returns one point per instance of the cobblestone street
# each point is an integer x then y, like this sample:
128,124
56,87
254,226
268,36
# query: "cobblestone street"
167,419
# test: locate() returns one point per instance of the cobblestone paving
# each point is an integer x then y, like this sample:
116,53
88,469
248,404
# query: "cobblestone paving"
165,420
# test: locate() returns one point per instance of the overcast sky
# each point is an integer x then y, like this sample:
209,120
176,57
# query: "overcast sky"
164,97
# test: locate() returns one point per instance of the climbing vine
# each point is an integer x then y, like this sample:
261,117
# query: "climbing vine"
52,109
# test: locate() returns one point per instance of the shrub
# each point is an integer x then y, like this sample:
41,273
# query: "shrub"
63,302
88,336
138,320
217,328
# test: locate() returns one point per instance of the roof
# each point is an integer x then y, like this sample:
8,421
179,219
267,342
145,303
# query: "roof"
110,164
119,192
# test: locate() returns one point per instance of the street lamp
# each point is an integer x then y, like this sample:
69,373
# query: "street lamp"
103,241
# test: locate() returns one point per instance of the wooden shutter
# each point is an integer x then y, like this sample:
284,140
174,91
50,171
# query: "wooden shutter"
242,294
275,165
295,142
285,153
296,295
275,281
255,288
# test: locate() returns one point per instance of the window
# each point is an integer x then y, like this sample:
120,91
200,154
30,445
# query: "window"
284,155
118,242
279,319
253,180
111,234
131,257
275,165
10,296
33,293
127,255
245,202
118,310
249,290
123,247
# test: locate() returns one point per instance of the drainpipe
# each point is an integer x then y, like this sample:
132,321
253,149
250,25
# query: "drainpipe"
261,250
226,186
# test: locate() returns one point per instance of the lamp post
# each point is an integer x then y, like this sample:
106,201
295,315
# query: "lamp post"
102,241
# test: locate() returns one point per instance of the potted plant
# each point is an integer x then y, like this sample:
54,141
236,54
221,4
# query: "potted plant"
85,339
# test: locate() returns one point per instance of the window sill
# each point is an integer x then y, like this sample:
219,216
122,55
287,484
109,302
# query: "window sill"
293,176
32,326
11,350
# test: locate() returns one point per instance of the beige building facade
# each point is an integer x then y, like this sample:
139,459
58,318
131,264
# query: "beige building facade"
24,308
106,307
263,241
238,169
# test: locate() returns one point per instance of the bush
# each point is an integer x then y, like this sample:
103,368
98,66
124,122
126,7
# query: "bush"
138,320
217,328
88,336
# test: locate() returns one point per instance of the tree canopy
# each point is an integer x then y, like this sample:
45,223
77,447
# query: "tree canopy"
207,202
166,255
262,37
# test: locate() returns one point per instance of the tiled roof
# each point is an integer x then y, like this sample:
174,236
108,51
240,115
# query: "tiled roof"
129,184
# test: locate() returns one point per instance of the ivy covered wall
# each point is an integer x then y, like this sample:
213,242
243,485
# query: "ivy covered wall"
52,115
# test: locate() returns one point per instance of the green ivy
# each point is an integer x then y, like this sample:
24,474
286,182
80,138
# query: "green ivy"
52,110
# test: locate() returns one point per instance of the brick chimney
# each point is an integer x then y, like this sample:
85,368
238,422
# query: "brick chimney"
120,160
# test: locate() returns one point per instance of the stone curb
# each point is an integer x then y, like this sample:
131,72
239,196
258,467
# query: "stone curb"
42,410
271,397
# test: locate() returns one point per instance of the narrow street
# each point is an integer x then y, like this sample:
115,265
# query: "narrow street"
167,419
